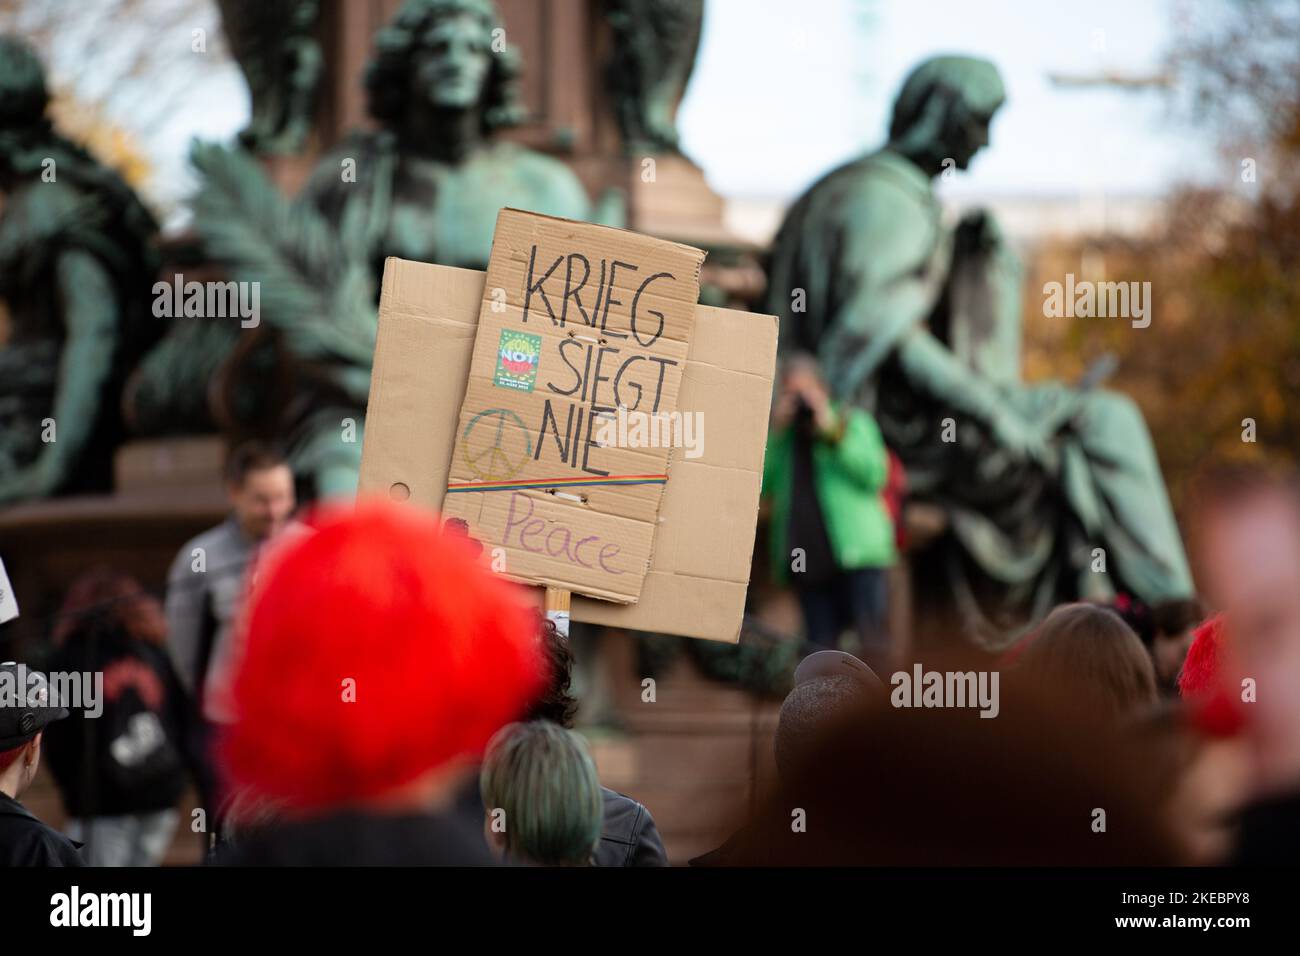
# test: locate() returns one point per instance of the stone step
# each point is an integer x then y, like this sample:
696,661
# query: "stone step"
184,462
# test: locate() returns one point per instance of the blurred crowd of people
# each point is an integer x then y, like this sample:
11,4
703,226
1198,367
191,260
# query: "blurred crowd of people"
356,687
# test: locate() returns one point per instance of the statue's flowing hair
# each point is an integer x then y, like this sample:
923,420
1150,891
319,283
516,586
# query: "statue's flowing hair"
388,72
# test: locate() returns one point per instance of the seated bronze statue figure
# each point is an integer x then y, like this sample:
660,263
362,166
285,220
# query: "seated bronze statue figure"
1050,492
77,261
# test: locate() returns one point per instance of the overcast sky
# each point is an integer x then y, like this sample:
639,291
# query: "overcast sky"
783,91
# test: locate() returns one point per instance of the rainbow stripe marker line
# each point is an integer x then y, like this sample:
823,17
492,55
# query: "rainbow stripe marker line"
544,483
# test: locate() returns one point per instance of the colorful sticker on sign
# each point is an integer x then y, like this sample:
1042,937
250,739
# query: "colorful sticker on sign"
517,358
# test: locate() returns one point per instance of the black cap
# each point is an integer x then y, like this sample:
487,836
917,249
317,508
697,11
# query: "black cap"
25,708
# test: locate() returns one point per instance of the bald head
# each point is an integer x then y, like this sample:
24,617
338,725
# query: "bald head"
807,714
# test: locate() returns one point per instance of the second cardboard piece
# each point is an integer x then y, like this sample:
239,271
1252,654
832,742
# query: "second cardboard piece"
428,316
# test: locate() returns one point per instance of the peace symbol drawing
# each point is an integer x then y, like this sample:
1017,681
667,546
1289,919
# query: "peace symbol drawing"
494,452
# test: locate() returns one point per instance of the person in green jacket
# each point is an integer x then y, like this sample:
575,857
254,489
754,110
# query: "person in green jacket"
832,538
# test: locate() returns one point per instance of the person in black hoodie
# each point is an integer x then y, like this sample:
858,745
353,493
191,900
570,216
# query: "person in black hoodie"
120,770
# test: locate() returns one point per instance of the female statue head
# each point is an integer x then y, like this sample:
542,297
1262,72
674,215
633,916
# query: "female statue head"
442,55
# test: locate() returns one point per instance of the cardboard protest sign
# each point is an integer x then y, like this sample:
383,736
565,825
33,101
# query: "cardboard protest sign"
699,570
578,323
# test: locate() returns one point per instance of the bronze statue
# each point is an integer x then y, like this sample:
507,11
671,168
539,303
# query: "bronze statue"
77,262
427,185
655,42
433,178
1050,492
276,49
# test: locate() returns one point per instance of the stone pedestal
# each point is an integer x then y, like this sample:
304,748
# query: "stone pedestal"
698,756
168,491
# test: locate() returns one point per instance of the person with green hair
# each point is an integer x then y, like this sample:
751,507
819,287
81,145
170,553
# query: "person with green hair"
541,796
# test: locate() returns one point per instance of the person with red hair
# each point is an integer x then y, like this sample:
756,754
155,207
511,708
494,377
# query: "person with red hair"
1205,684
1247,532
377,658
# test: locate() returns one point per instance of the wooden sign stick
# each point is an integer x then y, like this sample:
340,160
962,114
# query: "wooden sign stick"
556,606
